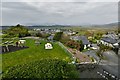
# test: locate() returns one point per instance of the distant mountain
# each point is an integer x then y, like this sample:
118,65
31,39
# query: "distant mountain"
52,26
109,25
40,26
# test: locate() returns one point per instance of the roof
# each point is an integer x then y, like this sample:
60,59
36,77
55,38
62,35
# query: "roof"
112,35
83,38
109,40
51,37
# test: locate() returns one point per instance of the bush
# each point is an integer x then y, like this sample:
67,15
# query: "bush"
81,45
39,35
92,59
77,60
58,36
73,44
64,38
18,31
46,68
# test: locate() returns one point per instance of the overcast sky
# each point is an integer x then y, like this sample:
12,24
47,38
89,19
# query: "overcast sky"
55,12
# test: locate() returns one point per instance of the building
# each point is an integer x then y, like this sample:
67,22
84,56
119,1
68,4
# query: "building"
111,35
109,42
48,46
69,33
58,30
50,38
84,40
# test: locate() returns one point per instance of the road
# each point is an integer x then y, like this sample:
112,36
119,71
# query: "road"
92,53
107,68
111,63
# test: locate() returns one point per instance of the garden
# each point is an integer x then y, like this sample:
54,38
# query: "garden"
20,58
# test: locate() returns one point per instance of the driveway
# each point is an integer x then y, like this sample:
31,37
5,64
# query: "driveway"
111,62
110,65
82,57
92,53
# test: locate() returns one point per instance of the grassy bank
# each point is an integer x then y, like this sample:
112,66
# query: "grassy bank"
33,53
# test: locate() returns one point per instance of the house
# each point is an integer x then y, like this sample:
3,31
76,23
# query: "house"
84,40
69,32
50,38
109,42
111,35
48,46
94,46
58,30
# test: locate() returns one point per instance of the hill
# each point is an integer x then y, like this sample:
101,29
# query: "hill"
109,25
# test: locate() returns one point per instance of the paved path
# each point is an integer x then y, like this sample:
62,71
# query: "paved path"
82,57
107,68
111,63
92,53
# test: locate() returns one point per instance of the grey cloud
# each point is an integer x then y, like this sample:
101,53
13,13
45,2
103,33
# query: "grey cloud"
60,0
73,13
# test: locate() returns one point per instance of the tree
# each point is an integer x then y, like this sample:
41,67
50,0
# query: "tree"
73,44
118,29
39,35
102,48
81,45
64,38
17,31
88,33
57,36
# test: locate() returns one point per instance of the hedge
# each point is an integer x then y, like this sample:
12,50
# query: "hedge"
46,68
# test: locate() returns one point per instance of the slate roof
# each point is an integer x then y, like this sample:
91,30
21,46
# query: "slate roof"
83,38
113,35
109,40
51,37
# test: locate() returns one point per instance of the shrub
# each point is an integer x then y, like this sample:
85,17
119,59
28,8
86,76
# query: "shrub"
18,31
77,60
73,44
45,68
58,36
92,59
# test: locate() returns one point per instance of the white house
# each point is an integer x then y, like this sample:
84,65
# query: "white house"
48,46
109,42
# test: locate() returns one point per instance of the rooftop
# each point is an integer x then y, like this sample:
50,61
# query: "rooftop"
109,40
83,38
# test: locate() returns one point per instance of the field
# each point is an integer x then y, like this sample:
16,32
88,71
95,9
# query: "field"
33,53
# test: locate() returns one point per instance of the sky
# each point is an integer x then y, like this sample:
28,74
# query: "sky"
62,12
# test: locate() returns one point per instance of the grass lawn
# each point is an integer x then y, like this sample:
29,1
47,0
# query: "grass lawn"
33,53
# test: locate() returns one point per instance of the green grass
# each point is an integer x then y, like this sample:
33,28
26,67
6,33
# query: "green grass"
33,53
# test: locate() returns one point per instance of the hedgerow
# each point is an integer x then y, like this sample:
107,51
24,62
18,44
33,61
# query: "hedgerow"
46,68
